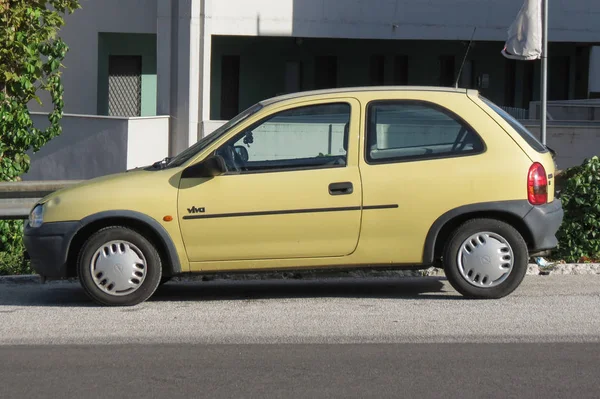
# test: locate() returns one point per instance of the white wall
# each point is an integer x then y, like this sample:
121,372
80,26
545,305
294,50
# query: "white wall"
147,140
81,35
92,146
570,20
86,148
572,142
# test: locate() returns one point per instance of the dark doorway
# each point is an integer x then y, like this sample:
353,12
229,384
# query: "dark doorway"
230,86
510,82
401,70
447,70
559,77
377,70
326,72
528,76
125,85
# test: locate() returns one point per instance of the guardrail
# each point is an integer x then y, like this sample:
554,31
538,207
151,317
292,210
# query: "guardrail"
17,198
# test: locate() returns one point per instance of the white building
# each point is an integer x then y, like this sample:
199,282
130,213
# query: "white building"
185,63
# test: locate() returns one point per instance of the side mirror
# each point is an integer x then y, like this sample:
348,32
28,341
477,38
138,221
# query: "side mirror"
210,167
242,152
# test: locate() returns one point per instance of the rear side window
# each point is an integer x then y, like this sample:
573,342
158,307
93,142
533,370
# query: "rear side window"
399,131
519,128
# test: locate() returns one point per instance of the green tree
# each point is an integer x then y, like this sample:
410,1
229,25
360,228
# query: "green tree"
31,55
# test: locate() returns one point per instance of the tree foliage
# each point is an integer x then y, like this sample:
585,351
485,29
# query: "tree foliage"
31,55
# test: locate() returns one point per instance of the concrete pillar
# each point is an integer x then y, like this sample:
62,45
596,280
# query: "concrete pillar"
205,61
164,55
594,81
180,48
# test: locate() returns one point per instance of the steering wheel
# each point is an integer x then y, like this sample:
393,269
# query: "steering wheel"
233,158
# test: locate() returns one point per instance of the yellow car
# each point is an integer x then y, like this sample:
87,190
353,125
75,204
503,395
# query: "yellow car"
402,177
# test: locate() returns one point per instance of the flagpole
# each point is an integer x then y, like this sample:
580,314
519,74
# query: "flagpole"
544,88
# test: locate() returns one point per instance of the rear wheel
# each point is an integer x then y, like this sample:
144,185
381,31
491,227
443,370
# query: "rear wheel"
485,258
119,267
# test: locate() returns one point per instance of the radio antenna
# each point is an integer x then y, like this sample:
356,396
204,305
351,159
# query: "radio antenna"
465,59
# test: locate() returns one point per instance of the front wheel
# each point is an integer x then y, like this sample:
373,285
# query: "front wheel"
119,267
485,258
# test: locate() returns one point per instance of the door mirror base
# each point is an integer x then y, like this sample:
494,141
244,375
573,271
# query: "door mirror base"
212,166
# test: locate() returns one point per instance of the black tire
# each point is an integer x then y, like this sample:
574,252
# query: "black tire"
153,267
514,239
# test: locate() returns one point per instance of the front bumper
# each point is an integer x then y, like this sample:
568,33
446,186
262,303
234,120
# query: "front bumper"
543,223
48,247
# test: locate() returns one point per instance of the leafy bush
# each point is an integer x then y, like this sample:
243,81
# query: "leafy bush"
579,235
12,260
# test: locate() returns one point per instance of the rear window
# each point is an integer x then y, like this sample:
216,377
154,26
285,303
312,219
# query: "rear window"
519,128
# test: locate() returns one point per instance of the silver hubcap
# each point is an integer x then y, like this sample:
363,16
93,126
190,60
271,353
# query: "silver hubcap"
485,259
118,268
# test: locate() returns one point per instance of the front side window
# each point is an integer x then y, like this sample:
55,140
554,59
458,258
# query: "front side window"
314,136
193,150
400,131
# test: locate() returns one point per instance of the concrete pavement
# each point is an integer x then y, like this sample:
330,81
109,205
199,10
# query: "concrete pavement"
406,310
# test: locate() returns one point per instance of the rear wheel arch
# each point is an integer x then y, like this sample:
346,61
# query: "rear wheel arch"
140,223
511,212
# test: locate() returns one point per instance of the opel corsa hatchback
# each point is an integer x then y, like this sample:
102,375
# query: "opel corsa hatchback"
362,177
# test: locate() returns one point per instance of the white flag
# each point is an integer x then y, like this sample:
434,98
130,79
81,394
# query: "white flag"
525,34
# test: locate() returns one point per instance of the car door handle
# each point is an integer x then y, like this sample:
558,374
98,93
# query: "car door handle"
341,188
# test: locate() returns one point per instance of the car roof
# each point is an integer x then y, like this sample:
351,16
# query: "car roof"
361,89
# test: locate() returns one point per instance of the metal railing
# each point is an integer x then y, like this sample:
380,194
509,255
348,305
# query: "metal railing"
17,198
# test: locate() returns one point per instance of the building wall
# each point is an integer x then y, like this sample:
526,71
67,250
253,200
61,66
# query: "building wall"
569,20
81,32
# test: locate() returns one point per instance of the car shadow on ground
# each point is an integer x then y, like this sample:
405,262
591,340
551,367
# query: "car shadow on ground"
70,294
383,288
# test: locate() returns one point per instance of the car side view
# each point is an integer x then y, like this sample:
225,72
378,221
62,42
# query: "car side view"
391,177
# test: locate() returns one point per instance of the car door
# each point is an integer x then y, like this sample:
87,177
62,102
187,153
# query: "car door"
424,156
292,189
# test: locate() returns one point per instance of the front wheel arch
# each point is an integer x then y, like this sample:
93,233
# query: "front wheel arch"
138,222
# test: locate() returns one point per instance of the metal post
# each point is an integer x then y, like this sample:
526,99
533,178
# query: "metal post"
544,88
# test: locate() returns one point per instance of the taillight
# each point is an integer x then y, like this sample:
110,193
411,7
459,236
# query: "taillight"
537,185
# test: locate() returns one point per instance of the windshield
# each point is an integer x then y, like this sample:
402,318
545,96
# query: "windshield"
204,142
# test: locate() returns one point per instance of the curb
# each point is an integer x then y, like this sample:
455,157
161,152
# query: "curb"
572,269
564,269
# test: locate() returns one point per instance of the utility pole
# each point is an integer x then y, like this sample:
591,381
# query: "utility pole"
544,86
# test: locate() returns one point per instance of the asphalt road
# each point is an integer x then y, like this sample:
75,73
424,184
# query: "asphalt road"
332,338
302,371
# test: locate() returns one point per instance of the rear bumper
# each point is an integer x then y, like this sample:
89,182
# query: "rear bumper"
48,246
543,222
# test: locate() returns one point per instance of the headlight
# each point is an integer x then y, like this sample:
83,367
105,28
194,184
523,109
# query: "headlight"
36,216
